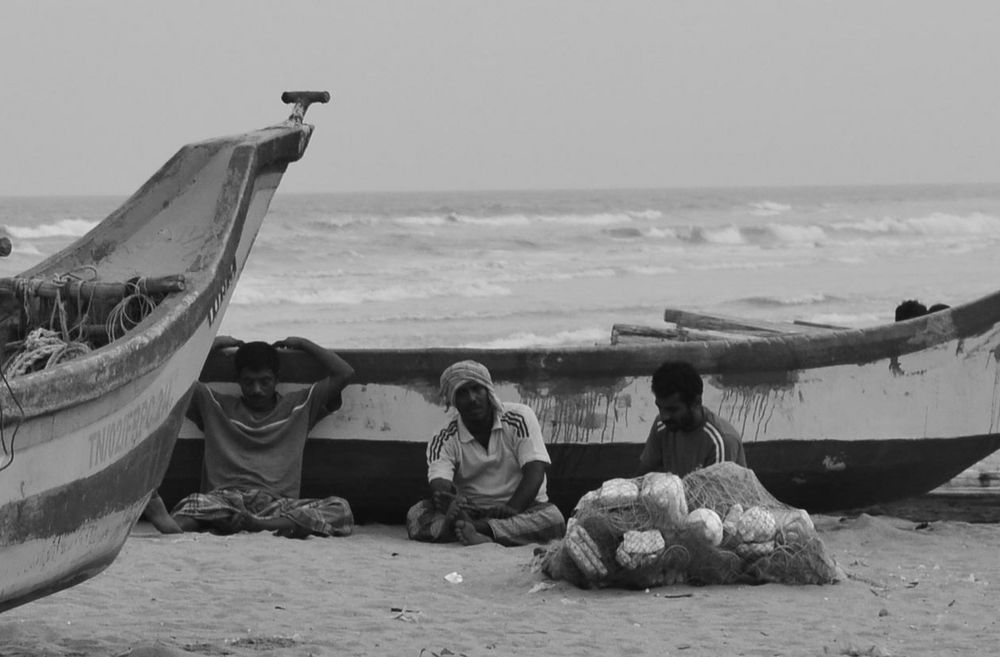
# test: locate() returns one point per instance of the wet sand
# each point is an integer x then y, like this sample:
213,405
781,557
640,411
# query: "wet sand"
914,587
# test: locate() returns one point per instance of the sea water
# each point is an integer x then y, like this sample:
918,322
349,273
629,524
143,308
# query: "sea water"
548,268
509,269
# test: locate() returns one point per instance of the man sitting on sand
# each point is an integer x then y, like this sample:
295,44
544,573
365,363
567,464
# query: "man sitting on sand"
686,436
254,445
486,470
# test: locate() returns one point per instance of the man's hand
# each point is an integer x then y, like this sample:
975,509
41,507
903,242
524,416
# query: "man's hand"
443,493
442,499
226,342
291,342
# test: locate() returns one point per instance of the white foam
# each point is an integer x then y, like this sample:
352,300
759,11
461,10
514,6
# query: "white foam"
498,220
343,221
25,248
768,208
727,235
791,300
649,270
433,220
661,233
601,219
937,224
62,228
522,339
849,320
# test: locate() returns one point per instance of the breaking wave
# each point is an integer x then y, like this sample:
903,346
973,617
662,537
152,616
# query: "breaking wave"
937,224
62,228
520,340
797,300
768,208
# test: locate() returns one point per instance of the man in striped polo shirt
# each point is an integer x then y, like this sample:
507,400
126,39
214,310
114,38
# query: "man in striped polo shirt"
686,436
254,445
486,470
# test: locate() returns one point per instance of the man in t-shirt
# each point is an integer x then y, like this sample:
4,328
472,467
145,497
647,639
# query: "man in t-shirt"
254,444
686,436
486,470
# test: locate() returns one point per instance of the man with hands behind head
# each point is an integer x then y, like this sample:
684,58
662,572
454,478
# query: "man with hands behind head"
254,444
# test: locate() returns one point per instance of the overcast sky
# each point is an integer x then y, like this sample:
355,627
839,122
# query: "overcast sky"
435,95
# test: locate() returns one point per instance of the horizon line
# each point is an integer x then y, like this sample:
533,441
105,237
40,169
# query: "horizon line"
513,190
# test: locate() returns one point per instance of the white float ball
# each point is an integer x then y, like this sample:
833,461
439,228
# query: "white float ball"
706,524
757,524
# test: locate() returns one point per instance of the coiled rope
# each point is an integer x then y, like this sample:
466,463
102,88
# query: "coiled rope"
47,346
131,310
43,344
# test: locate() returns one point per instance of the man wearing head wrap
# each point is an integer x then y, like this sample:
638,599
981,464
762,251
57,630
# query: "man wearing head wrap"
486,469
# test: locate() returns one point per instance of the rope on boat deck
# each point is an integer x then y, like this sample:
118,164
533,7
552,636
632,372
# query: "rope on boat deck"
66,343
121,319
42,343
59,342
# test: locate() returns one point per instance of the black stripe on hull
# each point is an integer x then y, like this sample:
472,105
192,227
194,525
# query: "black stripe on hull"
66,509
836,475
381,479
79,575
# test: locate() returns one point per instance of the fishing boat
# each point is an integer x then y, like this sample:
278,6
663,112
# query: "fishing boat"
102,342
832,418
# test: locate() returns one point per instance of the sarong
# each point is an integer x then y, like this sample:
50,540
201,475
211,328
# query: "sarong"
225,508
539,523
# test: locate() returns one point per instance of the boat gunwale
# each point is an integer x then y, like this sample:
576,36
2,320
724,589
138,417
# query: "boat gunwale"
778,353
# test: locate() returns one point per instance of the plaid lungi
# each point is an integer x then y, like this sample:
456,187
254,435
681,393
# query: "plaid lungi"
222,509
539,523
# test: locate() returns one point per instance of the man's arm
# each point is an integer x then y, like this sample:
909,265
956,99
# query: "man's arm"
532,476
442,493
651,458
194,410
339,372
225,342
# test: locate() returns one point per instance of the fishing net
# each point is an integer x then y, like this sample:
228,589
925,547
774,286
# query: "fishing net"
718,525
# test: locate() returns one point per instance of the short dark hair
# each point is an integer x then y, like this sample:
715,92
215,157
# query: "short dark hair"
909,309
680,377
938,306
256,356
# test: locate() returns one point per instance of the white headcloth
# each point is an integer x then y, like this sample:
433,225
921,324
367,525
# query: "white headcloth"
467,371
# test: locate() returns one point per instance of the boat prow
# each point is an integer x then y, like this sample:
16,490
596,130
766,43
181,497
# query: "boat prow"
138,300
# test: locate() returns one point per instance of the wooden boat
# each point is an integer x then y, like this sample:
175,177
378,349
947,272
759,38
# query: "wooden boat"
831,418
86,441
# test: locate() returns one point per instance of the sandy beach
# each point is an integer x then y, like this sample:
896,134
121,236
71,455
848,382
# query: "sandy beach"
913,588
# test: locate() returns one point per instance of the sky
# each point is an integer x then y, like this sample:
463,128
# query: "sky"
456,95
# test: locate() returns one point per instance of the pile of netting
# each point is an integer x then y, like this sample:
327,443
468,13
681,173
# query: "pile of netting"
718,525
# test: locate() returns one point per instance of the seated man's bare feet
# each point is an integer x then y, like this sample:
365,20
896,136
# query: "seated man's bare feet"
156,513
295,531
240,521
469,534
188,524
283,526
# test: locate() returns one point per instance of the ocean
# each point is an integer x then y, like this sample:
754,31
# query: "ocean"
508,269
